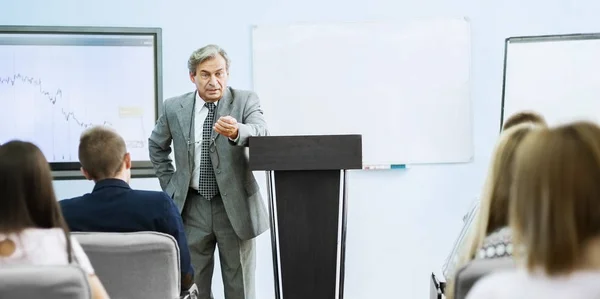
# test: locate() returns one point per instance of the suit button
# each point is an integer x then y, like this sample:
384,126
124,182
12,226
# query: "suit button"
212,150
224,194
218,171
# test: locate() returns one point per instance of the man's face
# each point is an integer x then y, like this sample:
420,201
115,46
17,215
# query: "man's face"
211,78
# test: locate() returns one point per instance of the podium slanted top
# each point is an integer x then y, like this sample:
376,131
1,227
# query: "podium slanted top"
309,152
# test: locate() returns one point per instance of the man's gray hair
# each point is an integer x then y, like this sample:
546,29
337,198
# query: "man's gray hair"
205,53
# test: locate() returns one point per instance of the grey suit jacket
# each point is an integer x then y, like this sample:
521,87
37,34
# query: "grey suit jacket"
239,190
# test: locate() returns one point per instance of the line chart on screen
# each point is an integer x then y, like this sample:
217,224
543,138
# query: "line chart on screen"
51,94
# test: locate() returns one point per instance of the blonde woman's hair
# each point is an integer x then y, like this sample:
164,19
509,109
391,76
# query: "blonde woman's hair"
555,201
493,208
524,117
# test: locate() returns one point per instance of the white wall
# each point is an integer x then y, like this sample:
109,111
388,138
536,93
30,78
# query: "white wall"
401,223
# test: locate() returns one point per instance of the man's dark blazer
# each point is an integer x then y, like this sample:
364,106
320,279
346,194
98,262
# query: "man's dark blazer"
114,207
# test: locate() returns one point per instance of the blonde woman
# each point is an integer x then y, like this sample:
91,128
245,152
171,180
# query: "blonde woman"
555,218
490,236
454,259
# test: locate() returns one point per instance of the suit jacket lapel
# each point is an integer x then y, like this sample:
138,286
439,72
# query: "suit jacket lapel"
223,109
185,116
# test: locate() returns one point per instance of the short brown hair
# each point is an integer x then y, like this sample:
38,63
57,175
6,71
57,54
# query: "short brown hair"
524,117
555,206
101,152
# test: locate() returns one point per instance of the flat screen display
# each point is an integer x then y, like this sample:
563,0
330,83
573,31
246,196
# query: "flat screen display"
55,83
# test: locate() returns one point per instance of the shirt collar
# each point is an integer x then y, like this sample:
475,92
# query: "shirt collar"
200,100
111,183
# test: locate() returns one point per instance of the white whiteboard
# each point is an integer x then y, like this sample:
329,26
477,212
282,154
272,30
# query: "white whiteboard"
554,76
403,86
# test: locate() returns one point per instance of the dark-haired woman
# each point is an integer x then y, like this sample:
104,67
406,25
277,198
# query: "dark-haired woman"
32,229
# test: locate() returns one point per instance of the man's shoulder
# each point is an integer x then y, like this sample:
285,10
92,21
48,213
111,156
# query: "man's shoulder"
149,195
242,94
176,100
157,201
73,201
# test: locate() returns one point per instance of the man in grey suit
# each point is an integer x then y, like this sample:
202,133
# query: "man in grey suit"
212,184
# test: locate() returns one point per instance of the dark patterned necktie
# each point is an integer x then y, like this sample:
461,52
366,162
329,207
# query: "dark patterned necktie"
208,182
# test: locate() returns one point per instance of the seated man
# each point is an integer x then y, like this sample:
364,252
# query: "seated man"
113,206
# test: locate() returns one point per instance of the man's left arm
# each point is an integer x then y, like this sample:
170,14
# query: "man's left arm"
252,123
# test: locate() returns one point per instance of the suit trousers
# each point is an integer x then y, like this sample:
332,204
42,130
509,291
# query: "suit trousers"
207,226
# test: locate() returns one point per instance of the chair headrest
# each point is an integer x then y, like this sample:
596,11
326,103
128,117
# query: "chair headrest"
24,281
469,274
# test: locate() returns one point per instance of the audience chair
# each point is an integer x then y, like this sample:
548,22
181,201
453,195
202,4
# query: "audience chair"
48,282
136,265
469,274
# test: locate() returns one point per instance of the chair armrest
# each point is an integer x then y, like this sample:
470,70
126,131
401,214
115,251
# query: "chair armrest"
191,293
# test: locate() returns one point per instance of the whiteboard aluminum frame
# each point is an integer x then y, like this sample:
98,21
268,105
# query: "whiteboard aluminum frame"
536,39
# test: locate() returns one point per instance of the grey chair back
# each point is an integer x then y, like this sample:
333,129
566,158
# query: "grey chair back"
469,274
134,265
48,282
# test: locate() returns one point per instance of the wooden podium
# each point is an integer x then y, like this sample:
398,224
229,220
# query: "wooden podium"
306,182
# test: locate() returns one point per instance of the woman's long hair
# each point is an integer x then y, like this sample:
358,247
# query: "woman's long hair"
493,209
494,204
555,207
27,198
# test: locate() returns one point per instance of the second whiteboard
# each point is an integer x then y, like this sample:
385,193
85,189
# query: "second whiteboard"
403,86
